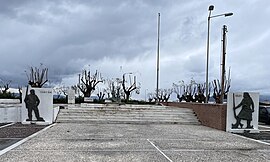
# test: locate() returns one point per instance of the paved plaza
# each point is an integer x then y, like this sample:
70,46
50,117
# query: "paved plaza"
106,142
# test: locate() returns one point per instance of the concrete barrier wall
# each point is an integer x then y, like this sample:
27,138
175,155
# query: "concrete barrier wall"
10,114
211,115
9,101
55,112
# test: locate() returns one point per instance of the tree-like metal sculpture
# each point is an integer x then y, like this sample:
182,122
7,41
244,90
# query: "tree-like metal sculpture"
37,76
87,82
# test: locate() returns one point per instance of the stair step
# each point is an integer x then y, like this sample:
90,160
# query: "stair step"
129,121
126,114
123,109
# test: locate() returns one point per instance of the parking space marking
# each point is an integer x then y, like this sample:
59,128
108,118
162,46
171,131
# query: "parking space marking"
264,130
6,125
23,140
251,139
87,150
159,150
264,126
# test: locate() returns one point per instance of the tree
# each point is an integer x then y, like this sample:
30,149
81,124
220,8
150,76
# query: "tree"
164,95
188,91
87,82
151,97
4,86
199,96
61,90
179,89
37,76
130,86
76,89
101,95
217,90
191,92
114,88
20,93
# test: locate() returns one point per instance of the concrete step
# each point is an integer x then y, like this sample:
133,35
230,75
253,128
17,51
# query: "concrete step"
92,105
137,114
125,110
128,117
124,117
125,114
115,108
131,114
98,112
122,121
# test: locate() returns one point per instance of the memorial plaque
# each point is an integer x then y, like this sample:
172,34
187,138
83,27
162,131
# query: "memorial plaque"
242,112
88,99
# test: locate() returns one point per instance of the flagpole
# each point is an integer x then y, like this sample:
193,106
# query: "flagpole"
158,33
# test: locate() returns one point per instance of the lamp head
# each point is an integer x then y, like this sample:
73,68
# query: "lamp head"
211,7
229,14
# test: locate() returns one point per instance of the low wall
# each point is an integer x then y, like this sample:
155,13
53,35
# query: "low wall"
55,112
211,115
9,101
10,114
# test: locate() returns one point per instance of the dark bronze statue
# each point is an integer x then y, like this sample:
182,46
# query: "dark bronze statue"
31,103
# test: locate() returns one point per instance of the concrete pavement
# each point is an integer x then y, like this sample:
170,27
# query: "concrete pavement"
85,141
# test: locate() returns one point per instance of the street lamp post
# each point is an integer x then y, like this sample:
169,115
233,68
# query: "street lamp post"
211,8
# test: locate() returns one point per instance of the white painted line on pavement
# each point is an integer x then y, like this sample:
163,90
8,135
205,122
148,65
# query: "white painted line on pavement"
6,125
252,139
23,140
264,126
264,130
159,150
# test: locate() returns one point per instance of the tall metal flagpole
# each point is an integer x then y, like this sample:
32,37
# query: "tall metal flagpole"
158,56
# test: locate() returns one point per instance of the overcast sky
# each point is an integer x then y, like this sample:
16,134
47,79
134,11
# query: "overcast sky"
70,35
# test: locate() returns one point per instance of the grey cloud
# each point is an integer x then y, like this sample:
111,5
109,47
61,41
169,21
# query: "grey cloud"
68,35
